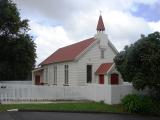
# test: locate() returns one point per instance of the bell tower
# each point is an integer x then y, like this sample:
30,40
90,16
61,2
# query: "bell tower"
101,36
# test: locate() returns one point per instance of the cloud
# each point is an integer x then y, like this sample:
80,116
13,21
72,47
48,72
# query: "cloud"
62,10
155,26
54,9
48,39
59,23
125,28
122,28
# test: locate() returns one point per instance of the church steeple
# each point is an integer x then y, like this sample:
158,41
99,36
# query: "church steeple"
100,25
101,36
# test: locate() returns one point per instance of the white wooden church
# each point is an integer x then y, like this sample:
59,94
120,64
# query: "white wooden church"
87,62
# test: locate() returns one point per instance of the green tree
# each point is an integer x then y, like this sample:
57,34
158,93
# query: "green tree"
18,53
139,63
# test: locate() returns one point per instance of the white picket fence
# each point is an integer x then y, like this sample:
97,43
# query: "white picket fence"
110,94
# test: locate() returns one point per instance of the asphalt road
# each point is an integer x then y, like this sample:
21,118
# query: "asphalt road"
69,116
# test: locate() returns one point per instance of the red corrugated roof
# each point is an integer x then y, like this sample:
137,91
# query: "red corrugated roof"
103,68
68,53
100,25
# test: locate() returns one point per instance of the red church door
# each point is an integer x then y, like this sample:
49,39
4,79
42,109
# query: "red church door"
101,79
114,79
37,80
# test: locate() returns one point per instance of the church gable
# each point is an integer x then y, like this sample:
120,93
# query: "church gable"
68,53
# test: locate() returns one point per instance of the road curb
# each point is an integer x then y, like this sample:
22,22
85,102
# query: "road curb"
92,112
67,111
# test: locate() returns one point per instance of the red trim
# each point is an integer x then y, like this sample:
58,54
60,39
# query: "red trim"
101,79
37,80
114,79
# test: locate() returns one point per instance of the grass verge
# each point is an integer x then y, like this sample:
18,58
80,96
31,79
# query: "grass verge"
83,107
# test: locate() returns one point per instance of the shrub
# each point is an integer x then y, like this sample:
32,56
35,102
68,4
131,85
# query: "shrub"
138,104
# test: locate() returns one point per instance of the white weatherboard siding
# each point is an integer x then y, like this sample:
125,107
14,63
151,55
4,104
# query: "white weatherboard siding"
93,57
60,73
72,73
77,69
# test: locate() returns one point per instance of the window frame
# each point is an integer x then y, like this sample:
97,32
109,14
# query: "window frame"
102,53
89,72
46,76
55,75
66,75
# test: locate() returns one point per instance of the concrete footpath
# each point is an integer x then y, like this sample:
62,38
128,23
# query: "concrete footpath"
70,116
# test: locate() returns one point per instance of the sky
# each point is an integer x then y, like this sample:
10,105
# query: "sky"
57,23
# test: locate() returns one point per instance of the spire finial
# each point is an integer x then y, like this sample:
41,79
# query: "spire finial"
100,12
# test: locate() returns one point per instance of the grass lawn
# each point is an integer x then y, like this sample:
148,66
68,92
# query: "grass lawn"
84,106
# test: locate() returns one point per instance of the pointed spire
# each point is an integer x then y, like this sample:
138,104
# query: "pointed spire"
100,25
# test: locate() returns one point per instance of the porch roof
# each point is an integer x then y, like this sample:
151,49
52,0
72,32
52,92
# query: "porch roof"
104,68
37,69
